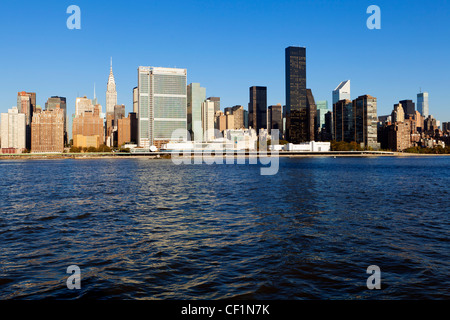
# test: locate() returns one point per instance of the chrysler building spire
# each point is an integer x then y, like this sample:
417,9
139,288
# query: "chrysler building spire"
111,93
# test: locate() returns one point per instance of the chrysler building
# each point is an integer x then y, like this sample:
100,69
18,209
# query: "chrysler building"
111,93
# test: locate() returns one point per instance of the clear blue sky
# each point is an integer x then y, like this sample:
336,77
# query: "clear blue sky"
227,46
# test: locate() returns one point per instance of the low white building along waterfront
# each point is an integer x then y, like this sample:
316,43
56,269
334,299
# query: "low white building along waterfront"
311,146
229,149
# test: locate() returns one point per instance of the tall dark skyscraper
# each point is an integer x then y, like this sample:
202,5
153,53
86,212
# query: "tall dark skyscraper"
312,115
343,121
409,107
275,119
296,101
257,108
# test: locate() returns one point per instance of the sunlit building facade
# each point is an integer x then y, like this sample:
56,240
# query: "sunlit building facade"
162,105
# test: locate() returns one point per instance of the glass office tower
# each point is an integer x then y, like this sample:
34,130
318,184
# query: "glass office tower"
422,104
162,105
296,103
196,95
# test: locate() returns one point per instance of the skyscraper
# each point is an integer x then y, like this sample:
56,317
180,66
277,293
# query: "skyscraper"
343,121
322,109
196,95
365,114
207,121
238,113
312,115
245,119
26,103
275,119
135,100
296,104
53,103
342,92
216,101
328,129
257,108
409,108
111,93
13,131
87,129
422,104
162,105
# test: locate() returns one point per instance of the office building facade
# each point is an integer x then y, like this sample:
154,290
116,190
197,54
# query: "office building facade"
162,105
88,129
257,108
422,104
275,119
13,131
196,95
207,121
83,104
47,131
322,109
135,100
216,101
52,104
409,108
127,129
312,115
296,101
365,113
343,121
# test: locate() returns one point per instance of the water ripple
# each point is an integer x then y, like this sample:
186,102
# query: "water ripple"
143,229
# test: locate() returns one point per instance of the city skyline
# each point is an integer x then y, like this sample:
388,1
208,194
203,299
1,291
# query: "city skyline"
393,76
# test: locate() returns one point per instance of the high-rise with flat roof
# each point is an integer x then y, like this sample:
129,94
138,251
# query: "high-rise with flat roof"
257,108
26,103
196,95
13,131
83,104
275,119
88,129
322,109
238,113
312,115
47,131
296,101
126,129
342,91
422,104
409,107
365,114
135,100
119,112
53,103
328,130
343,121
216,101
207,121
162,105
